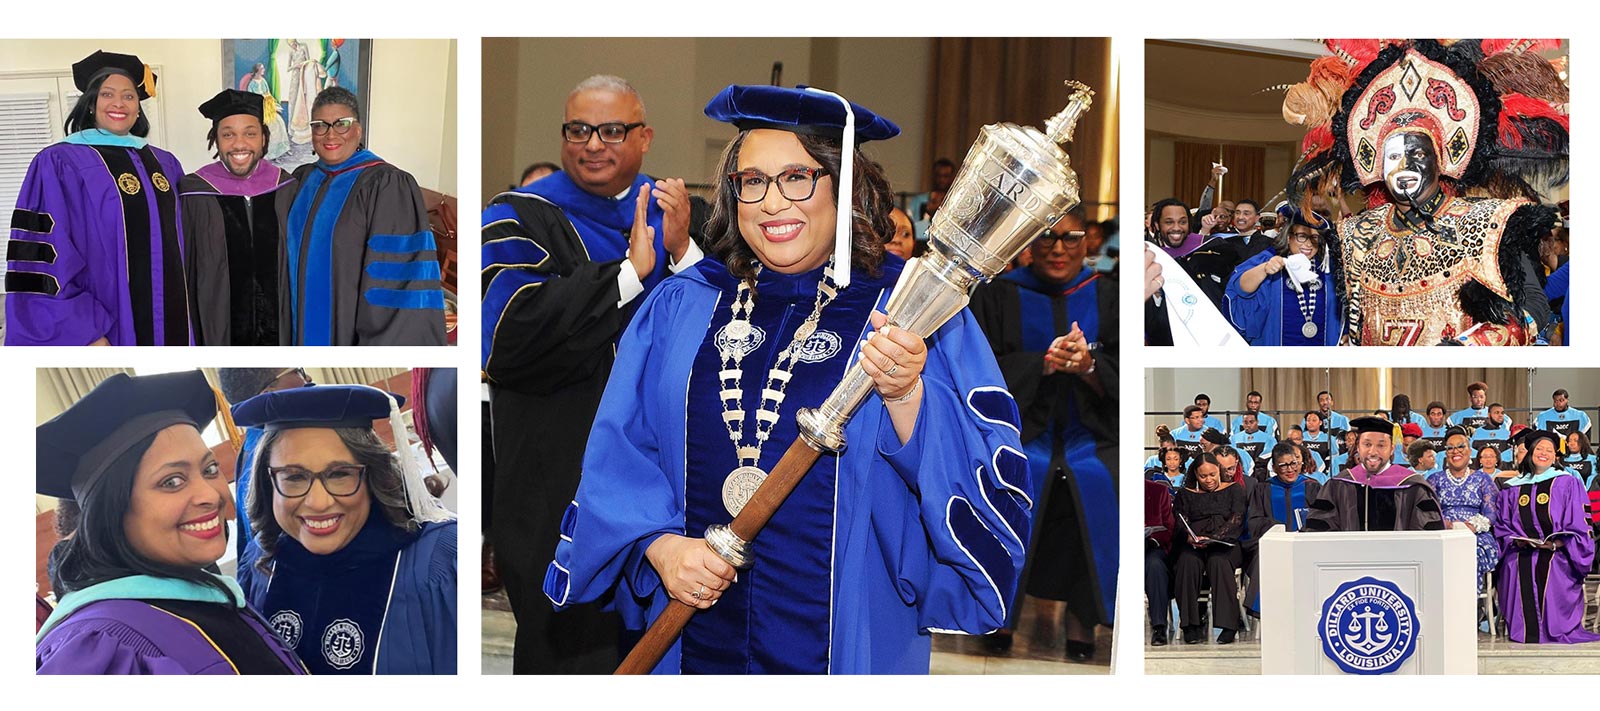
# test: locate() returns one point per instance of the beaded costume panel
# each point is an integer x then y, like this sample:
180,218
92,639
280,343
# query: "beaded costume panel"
1406,284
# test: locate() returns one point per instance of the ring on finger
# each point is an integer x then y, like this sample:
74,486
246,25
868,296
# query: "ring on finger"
892,370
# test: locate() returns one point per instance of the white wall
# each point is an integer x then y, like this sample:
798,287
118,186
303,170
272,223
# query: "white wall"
410,88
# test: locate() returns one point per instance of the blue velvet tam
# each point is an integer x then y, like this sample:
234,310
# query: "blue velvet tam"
230,102
1290,214
321,406
796,110
79,445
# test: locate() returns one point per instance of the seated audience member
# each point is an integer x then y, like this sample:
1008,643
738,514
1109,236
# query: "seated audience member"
1252,441
1422,457
1158,525
1210,519
1467,497
1488,459
1409,433
1315,438
1343,458
1542,524
1580,457
1171,468
1435,424
1285,499
1234,468
1561,418
1163,441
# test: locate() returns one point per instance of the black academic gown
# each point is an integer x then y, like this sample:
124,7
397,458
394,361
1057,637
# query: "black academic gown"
548,349
1070,557
362,262
234,259
1400,504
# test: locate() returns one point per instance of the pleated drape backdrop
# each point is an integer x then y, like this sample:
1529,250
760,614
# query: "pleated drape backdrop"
982,80
1361,391
58,388
1191,171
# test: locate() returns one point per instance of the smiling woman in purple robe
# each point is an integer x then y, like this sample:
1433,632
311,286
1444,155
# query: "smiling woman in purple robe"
149,506
1543,531
96,250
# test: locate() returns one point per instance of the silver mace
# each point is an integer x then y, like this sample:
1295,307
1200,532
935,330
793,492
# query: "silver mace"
1015,183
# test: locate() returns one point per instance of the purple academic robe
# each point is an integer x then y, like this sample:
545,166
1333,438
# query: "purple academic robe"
96,249
1541,591
126,636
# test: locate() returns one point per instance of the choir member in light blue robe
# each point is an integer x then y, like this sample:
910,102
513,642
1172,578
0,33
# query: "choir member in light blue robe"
1562,419
356,561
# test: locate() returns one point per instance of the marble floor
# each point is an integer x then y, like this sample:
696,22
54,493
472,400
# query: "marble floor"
1038,648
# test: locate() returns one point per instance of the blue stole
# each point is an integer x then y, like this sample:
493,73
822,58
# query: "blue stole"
778,618
331,608
327,187
1096,491
603,223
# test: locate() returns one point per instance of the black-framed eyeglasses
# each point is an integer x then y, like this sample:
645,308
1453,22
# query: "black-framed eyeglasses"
1294,237
613,132
338,480
1455,447
277,383
794,184
1291,464
1049,239
341,127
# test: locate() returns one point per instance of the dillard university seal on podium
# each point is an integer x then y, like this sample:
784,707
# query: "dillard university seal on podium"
1368,627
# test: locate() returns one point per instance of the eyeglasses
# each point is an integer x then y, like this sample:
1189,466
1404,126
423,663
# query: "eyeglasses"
1048,238
1304,238
1452,448
614,132
1284,466
794,184
338,480
341,127
277,383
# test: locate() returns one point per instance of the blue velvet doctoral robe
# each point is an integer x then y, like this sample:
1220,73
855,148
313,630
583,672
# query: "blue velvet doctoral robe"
1263,317
96,247
878,546
383,604
1068,431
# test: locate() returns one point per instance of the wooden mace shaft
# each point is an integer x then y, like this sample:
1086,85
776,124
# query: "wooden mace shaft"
751,519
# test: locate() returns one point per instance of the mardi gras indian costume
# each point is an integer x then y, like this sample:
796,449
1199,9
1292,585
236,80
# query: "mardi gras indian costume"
1452,144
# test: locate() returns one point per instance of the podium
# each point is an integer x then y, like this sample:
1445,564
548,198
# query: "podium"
1380,602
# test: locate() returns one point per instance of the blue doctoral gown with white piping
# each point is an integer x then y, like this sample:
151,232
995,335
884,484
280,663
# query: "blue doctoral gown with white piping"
877,547
1261,316
383,604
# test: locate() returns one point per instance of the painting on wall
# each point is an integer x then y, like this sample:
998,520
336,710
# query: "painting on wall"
288,74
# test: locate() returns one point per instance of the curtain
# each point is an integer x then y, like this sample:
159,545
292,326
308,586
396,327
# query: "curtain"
59,388
354,376
1361,391
1191,171
983,80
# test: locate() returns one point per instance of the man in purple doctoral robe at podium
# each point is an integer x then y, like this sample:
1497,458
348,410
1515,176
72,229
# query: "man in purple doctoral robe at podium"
1375,495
